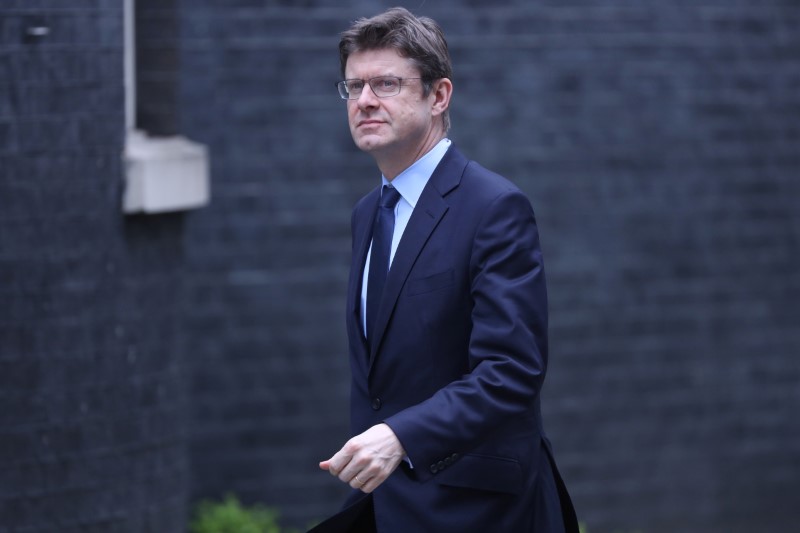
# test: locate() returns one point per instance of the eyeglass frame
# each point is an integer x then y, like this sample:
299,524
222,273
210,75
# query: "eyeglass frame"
341,86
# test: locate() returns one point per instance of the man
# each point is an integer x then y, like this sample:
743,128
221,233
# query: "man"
448,350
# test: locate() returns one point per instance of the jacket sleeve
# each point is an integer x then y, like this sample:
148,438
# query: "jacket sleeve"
507,345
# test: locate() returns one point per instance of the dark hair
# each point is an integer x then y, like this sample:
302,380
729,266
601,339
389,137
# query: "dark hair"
419,39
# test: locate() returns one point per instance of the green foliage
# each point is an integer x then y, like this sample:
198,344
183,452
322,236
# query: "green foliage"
229,516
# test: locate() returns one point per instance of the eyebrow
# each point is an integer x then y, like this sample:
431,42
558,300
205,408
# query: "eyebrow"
392,74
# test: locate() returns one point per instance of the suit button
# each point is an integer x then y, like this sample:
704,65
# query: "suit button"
440,465
434,469
376,403
448,461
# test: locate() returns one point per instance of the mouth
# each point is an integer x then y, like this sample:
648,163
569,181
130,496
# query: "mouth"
369,122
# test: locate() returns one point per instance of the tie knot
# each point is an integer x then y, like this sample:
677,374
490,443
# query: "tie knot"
389,197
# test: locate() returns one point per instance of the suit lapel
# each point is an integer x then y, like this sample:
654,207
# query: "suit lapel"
427,214
362,235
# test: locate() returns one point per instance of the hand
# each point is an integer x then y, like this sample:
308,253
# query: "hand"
366,460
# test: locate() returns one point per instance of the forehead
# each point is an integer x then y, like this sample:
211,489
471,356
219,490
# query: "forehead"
382,62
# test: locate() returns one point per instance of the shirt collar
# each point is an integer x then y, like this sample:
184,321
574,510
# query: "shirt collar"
412,180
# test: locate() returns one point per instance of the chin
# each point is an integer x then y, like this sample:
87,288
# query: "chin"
370,143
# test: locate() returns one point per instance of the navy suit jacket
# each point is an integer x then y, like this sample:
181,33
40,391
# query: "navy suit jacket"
456,364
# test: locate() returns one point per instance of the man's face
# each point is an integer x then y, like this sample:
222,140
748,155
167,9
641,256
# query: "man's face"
393,126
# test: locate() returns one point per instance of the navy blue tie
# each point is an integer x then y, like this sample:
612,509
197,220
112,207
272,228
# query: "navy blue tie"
382,232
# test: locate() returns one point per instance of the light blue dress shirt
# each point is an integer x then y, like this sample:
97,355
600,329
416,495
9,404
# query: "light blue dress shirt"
409,184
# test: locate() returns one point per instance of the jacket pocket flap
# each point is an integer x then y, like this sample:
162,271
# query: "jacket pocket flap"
431,283
483,472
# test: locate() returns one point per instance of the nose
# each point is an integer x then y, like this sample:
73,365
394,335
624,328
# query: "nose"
367,98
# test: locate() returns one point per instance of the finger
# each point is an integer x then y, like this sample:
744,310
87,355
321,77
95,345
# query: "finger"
358,482
354,467
372,483
351,462
338,464
328,466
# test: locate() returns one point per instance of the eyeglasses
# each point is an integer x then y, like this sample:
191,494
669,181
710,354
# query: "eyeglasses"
382,87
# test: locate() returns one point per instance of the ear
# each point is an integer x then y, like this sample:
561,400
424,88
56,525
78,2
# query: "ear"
441,93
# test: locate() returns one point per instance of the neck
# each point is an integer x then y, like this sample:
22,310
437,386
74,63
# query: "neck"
391,164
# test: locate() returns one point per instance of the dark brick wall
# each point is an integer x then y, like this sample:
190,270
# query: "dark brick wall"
92,388
659,143
269,256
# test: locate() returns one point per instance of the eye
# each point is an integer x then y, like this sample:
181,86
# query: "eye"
388,83
355,86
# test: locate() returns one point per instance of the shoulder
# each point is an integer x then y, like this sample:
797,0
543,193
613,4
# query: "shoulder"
481,189
481,179
474,176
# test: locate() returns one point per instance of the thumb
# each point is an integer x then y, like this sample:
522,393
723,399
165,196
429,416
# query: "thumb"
325,465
